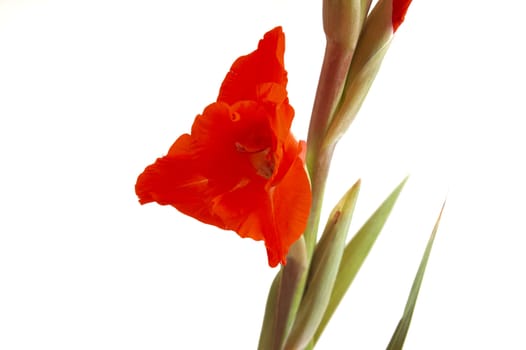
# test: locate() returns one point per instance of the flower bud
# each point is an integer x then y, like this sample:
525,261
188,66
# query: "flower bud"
343,20
372,45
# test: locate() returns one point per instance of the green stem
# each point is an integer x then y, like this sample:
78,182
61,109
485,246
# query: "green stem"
291,276
319,170
332,78
282,306
280,302
333,74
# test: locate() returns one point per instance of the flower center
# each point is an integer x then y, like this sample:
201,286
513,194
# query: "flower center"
261,159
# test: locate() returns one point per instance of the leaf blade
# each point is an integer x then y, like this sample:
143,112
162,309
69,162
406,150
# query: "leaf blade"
323,271
355,254
400,333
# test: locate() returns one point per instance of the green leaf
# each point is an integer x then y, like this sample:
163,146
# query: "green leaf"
322,272
355,253
399,335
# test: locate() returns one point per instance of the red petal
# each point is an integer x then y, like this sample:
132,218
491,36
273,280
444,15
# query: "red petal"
241,210
215,137
291,207
277,216
282,112
177,182
287,153
264,65
399,11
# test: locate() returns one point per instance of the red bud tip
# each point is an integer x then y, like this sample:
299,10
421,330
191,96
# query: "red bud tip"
399,10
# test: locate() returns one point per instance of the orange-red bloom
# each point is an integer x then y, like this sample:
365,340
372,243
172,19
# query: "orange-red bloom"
241,168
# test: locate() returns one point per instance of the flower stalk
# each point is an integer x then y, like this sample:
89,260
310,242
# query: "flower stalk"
342,24
356,45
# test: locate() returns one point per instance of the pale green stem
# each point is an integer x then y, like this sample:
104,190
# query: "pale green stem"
291,276
332,77
333,74
281,298
319,171
267,336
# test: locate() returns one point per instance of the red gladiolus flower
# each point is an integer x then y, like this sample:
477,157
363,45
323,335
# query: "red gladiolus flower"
240,168
399,10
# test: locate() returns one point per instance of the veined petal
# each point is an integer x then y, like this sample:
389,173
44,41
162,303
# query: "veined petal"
288,152
264,65
241,210
177,182
224,139
291,202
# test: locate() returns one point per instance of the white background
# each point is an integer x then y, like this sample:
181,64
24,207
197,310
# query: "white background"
93,91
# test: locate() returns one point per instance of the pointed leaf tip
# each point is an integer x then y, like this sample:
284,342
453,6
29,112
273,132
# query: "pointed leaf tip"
400,333
355,254
323,271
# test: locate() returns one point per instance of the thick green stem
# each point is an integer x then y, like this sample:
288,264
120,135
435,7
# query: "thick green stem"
332,78
281,309
291,276
319,171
